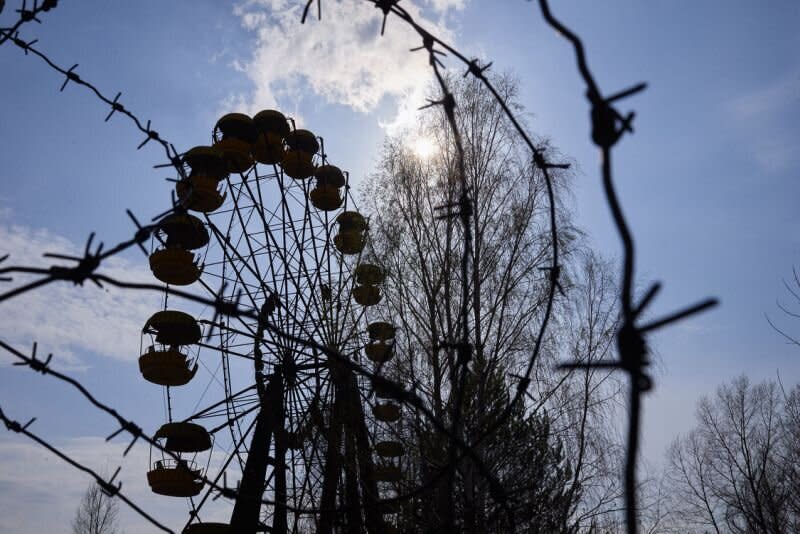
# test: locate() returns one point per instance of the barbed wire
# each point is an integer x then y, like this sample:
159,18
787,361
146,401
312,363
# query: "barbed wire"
12,35
25,15
464,207
398,391
84,270
107,486
608,125
130,427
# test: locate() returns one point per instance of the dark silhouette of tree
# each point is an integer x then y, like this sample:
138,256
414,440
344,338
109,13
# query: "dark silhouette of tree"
541,453
96,514
737,470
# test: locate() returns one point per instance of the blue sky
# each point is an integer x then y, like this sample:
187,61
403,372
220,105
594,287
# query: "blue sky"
709,180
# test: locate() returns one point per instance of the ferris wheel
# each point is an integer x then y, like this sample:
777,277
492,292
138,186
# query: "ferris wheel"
264,221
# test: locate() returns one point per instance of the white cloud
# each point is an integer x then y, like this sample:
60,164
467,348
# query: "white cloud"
341,58
65,319
768,118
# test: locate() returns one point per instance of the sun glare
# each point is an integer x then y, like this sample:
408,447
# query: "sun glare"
423,147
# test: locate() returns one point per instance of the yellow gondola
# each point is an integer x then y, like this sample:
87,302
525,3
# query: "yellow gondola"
387,473
166,367
298,160
381,330
389,449
379,351
350,237
367,295
175,478
272,129
383,392
206,161
184,437
174,264
388,412
234,136
326,195
200,193
369,274
172,327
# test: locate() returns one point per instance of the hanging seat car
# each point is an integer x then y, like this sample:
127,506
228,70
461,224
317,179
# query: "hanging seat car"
173,328
298,160
381,334
174,263
272,128
387,473
175,266
388,412
208,528
379,351
175,478
184,437
383,392
350,237
200,190
178,477
368,276
389,449
326,195
234,136
381,330
167,367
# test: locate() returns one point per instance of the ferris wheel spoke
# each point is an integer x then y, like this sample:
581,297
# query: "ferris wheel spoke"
297,429
273,246
299,239
220,474
214,294
247,239
219,403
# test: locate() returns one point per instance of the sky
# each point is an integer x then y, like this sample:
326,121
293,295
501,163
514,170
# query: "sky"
708,180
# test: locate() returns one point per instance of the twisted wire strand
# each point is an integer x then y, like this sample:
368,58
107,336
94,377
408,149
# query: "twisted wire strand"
70,75
26,15
107,486
608,126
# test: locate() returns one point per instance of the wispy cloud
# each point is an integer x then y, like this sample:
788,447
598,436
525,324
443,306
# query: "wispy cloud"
342,58
67,320
768,119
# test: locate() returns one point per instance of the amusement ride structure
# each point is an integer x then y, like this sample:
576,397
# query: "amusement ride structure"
262,214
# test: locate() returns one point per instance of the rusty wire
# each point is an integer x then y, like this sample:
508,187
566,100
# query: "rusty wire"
608,126
70,75
135,431
90,262
26,15
107,486
463,207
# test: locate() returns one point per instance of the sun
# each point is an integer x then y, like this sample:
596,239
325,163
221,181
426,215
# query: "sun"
423,147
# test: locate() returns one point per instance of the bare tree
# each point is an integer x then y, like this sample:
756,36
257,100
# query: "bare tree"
736,471
542,455
97,513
